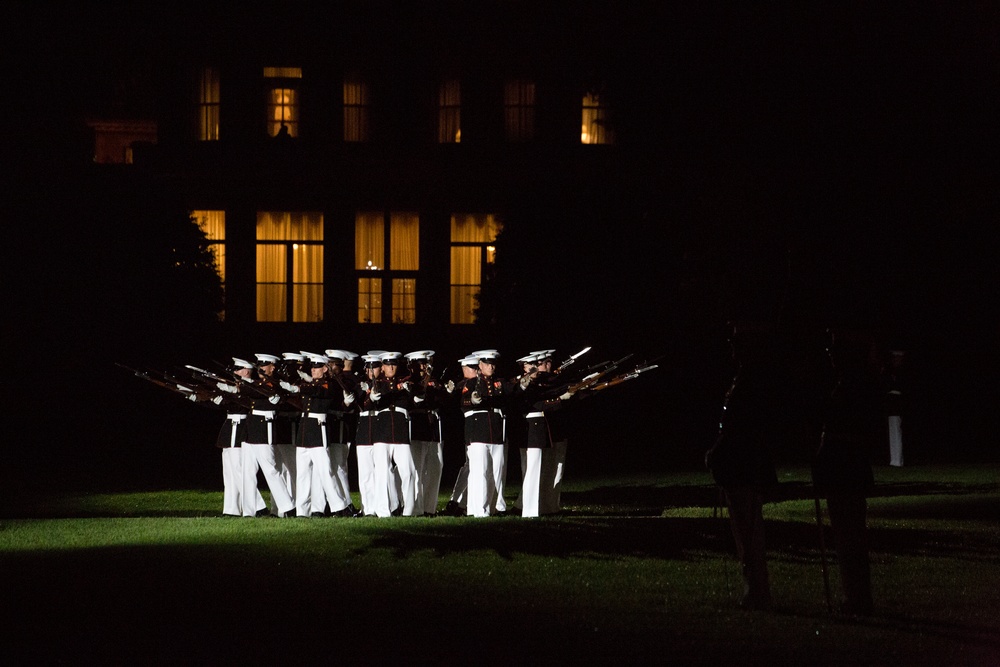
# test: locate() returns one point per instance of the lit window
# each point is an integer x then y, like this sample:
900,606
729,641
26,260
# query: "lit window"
519,110
596,127
213,223
208,105
377,232
357,110
282,91
472,255
450,112
289,266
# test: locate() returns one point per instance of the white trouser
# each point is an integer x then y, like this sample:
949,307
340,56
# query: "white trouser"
340,455
487,465
316,485
896,441
261,457
550,488
385,454
232,484
531,480
285,457
418,453
460,493
429,476
366,477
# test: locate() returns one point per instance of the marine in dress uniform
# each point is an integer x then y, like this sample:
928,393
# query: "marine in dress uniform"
365,434
425,430
261,434
540,434
457,502
316,486
484,401
342,421
392,400
231,437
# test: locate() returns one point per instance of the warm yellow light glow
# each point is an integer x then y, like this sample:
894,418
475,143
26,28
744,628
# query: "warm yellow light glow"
282,72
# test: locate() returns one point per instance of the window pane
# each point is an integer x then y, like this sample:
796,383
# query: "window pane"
213,223
404,298
208,105
307,263
404,239
596,128
307,303
463,303
370,300
271,265
474,228
289,226
271,306
283,110
450,112
282,72
519,110
369,240
356,110
466,265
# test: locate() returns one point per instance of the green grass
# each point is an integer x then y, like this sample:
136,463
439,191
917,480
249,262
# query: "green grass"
638,570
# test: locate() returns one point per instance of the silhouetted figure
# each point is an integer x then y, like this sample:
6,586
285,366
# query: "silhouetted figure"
894,407
842,472
741,464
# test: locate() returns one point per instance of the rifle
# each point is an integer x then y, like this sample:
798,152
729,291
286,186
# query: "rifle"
175,387
583,379
572,359
623,377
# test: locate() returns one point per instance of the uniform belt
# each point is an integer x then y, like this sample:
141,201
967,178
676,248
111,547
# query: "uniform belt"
269,414
236,418
318,416
533,415
367,413
395,409
480,412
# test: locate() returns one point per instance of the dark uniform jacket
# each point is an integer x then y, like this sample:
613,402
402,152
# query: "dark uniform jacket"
484,422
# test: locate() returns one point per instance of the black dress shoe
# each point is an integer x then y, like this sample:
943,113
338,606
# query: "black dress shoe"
397,512
263,512
317,515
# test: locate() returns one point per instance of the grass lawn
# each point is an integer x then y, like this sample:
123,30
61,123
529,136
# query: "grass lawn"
636,570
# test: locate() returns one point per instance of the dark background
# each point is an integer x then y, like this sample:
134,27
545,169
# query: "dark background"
795,166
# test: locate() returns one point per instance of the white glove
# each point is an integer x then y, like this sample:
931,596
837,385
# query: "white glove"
226,387
274,400
525,381
476,398
375,395
217,400
408,386
565,397
365,386
192,397
289,387
418,399
348,398
450,386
